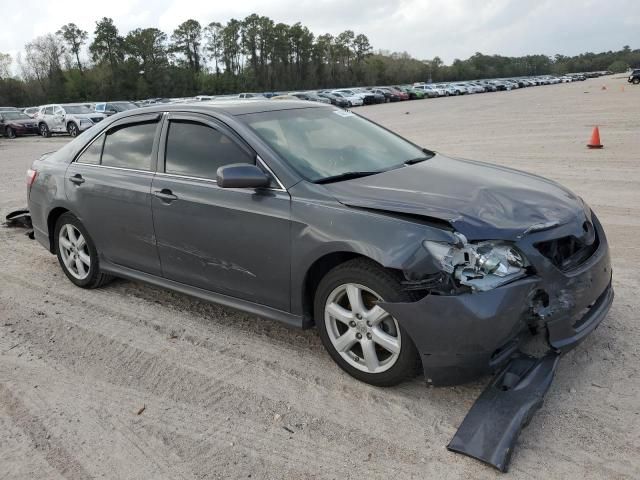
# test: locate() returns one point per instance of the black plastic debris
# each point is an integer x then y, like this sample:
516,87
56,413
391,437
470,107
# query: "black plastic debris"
19,218
491,428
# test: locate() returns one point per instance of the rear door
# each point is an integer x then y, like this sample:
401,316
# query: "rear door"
109,185
230,241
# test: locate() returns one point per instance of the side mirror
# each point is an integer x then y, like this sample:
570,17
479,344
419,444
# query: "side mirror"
241,175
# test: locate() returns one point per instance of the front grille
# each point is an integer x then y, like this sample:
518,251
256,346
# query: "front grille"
570,252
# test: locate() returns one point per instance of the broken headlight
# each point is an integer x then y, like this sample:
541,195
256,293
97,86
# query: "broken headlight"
482,265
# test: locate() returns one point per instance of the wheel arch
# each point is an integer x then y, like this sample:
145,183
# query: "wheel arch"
52,219
316,272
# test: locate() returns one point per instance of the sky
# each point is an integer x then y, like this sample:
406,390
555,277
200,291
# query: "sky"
424,28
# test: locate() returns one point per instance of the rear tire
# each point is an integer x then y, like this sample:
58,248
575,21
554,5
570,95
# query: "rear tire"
364,340
10,133
77,253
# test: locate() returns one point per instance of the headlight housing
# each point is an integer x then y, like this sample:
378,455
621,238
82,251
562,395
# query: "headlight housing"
481,266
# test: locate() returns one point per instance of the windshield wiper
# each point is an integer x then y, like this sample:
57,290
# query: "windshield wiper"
416,160
345,176
428,154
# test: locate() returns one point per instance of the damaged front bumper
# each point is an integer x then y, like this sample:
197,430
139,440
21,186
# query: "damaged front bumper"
460,337
491,428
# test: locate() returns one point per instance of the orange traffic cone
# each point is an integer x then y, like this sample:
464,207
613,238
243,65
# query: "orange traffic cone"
595,139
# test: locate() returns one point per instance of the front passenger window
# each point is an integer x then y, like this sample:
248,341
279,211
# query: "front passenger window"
196,150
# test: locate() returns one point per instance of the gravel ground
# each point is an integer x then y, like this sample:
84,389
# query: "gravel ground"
135,382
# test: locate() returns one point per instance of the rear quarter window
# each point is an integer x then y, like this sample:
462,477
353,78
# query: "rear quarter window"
93,152
129,146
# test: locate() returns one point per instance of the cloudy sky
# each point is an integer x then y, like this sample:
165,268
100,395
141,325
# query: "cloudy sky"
424,28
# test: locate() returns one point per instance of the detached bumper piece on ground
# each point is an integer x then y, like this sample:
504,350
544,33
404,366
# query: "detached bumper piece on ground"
21,219
491,428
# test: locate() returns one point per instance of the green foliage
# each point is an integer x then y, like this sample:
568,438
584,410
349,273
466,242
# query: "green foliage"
253,54
107,45
618,66
186,41
74,37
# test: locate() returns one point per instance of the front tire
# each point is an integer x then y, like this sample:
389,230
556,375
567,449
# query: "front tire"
77,253
363,339
10,133
73,129
44,130
636,81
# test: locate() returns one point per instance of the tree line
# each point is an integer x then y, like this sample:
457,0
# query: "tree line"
253,54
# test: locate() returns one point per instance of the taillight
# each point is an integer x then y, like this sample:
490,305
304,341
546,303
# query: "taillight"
31,177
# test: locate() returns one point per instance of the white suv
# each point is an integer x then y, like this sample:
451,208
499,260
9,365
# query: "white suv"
66,118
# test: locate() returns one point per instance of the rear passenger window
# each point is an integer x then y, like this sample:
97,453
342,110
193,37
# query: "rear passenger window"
196,150
93,152
129,146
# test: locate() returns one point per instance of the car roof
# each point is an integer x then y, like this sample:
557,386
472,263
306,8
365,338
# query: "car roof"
229,107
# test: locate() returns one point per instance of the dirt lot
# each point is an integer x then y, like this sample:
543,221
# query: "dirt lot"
229,395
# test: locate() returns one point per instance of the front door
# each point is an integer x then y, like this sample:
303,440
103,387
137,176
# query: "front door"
57,120
230,241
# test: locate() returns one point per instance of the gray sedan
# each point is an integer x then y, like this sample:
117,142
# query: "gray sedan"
312,215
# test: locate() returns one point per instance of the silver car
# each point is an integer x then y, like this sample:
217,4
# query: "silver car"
66,118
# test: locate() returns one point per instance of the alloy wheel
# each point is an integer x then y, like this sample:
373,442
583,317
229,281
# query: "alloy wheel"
74,251
366,336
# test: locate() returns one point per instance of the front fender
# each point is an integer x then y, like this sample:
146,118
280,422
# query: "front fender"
320,228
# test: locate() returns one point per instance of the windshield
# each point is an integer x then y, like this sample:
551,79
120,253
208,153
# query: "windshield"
15,116
76,109
326,142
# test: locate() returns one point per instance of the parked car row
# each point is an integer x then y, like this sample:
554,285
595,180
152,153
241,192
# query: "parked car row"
69,118
74,118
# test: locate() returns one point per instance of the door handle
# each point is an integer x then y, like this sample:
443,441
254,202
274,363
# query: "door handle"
77,179
165,195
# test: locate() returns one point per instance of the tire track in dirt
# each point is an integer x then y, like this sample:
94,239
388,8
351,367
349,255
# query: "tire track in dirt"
106,356
53,450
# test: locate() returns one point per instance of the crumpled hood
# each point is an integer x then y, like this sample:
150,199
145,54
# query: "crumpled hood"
479,200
